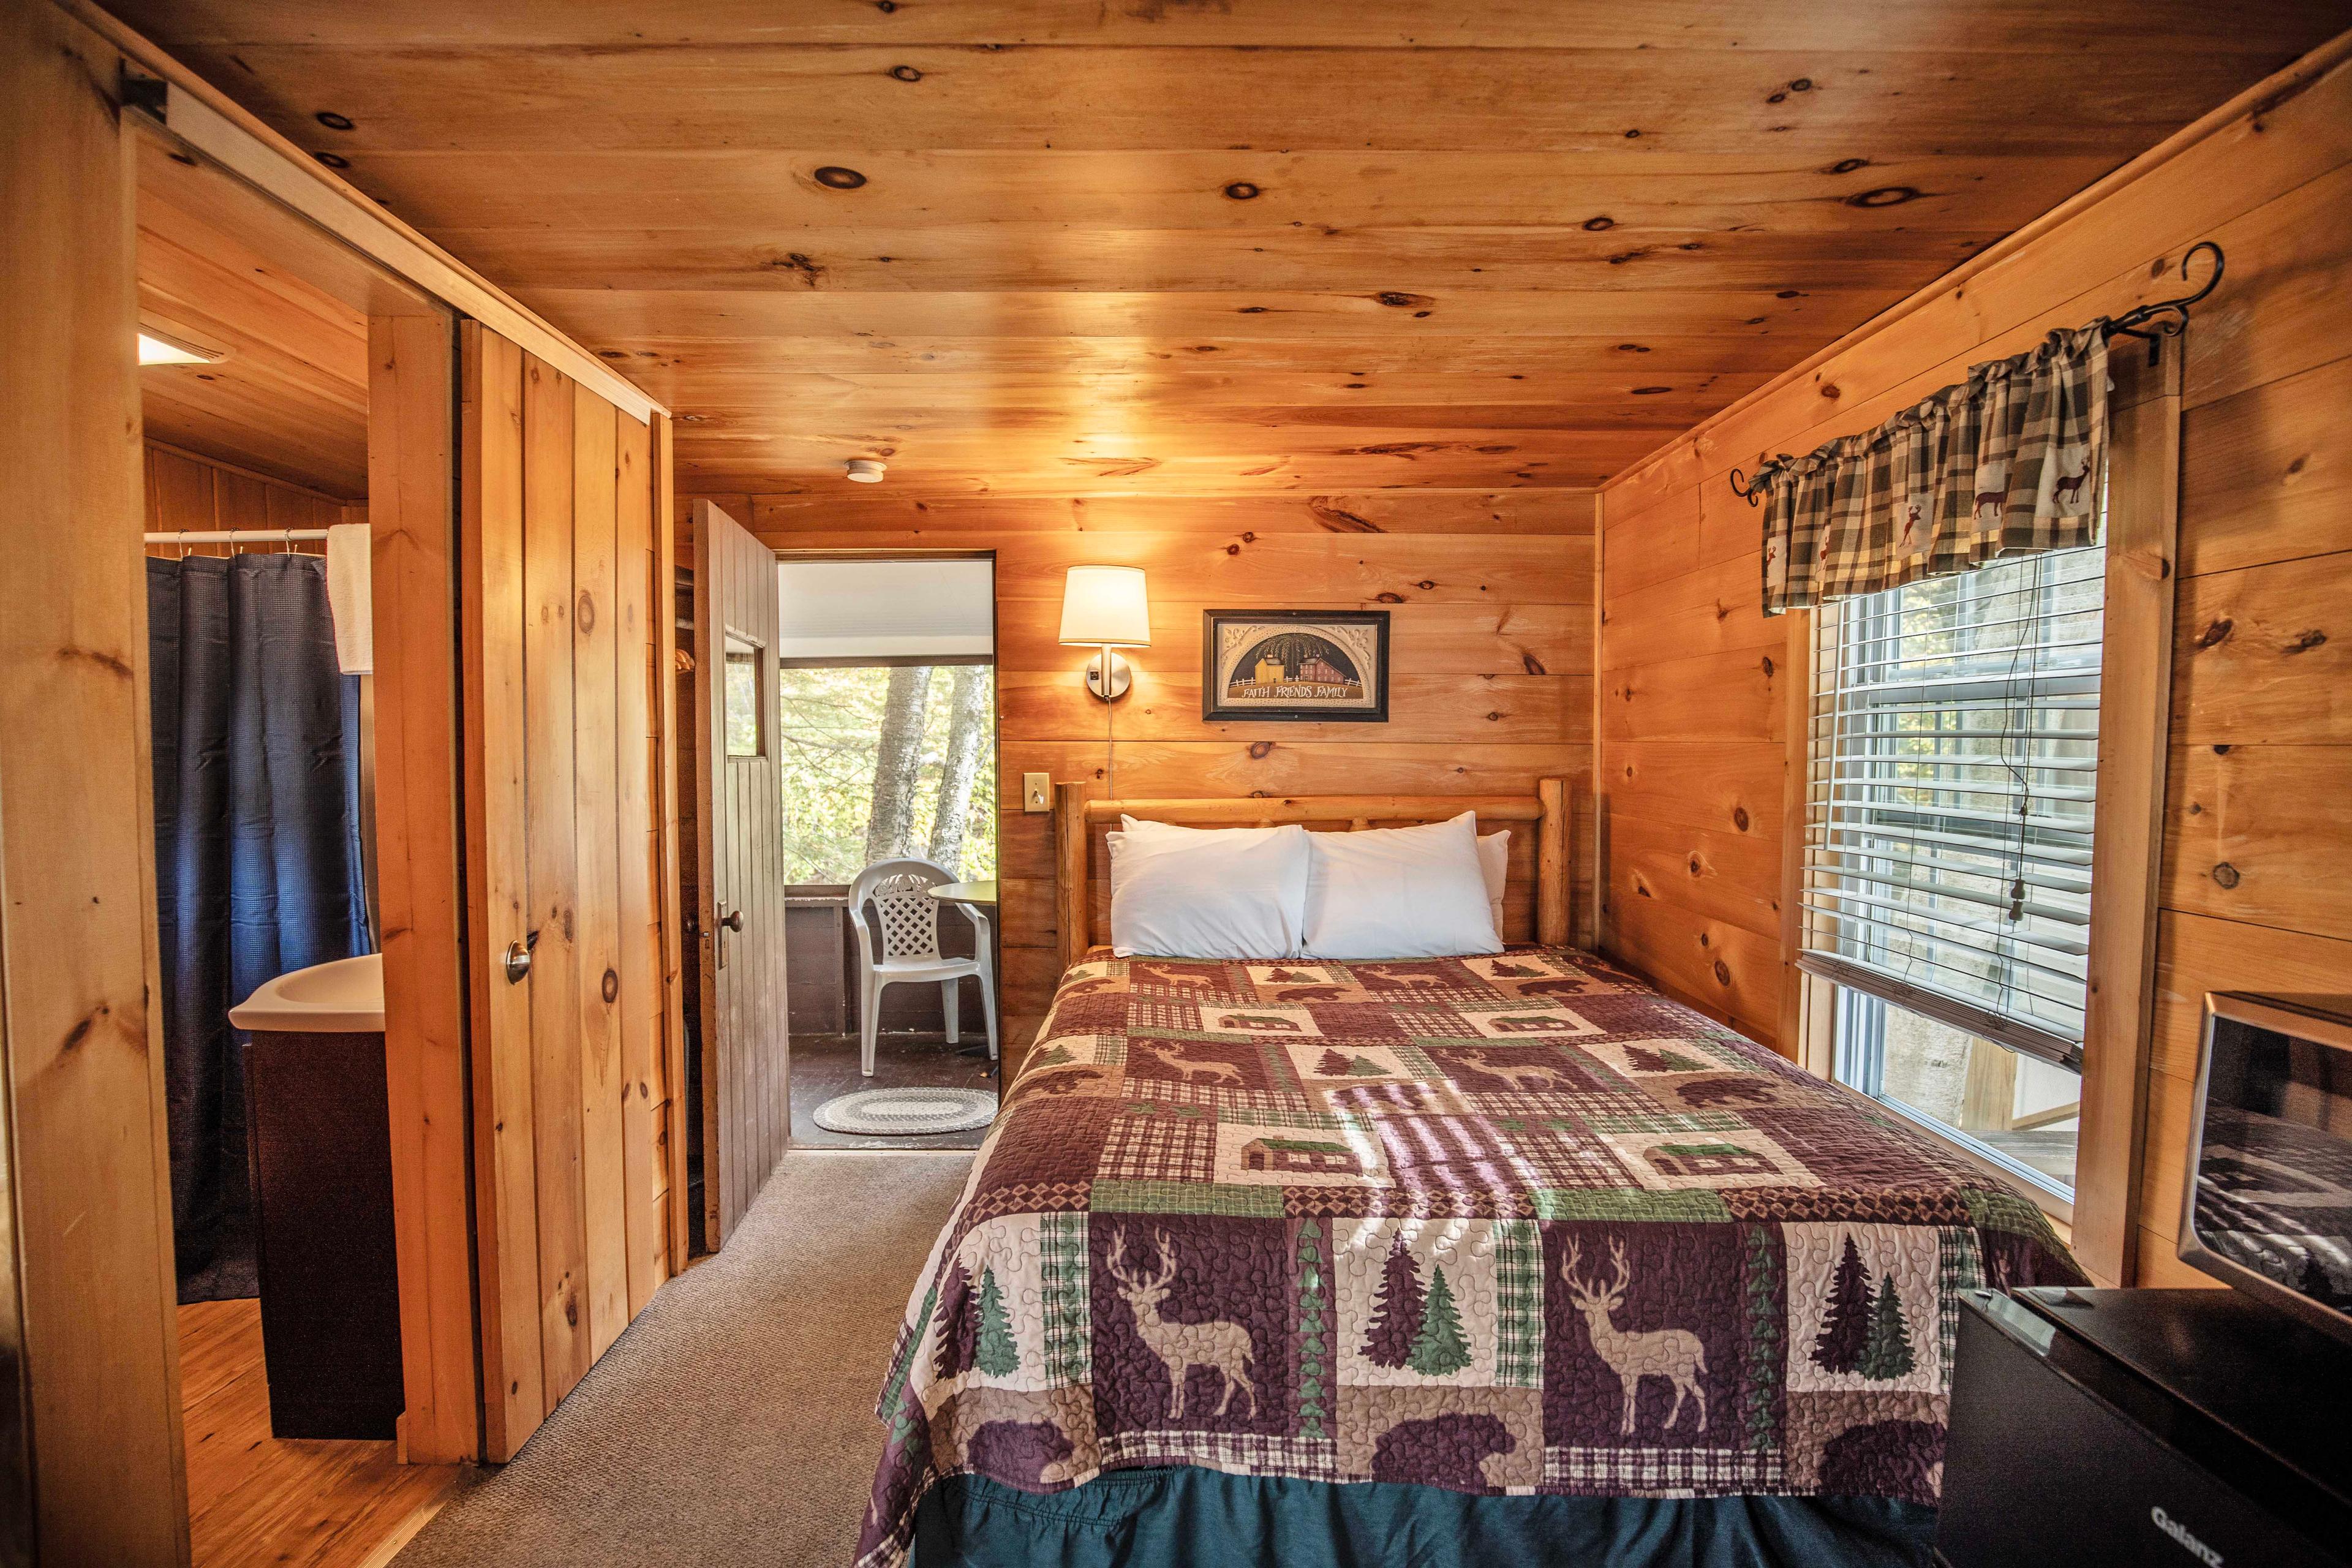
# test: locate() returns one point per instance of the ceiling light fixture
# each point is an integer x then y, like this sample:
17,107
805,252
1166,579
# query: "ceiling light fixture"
161,348
866,470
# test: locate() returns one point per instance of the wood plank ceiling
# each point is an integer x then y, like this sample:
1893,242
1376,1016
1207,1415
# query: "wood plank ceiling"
291,400
1217,247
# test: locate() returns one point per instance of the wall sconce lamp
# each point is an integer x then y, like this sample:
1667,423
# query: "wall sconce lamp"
1106,607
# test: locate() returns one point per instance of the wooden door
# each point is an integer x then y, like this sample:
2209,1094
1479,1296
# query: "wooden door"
565,858
739,816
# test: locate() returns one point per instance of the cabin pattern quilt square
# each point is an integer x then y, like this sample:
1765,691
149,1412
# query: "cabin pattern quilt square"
1507,1224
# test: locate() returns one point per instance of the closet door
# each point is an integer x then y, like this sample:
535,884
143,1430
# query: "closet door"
564,867
745,1051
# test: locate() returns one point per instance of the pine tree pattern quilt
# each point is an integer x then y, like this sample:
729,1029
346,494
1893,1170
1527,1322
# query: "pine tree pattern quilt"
1497,1224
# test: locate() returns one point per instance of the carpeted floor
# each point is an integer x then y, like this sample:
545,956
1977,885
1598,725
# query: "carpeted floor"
733,1422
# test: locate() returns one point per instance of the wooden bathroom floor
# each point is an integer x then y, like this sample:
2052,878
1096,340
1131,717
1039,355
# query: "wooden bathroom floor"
254,1498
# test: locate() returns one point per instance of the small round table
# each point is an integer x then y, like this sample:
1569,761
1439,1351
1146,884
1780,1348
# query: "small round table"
972,895
980,898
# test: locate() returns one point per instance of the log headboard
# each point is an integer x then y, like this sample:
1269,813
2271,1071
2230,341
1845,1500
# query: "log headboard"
1535,902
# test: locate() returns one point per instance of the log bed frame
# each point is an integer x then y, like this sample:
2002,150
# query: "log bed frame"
1535,901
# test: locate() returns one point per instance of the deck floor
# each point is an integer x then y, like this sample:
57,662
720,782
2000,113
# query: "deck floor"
826,1066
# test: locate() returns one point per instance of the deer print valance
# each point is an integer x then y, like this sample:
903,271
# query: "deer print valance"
2006,463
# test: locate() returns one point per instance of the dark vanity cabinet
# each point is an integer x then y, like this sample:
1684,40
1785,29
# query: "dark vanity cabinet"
319,1139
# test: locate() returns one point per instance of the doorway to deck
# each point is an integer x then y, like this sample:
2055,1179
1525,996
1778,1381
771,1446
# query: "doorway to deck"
886,745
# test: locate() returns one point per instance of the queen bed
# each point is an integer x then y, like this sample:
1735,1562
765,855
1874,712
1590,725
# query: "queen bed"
1495,1257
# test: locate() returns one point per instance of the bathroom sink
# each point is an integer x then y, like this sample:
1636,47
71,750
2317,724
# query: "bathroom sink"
345,997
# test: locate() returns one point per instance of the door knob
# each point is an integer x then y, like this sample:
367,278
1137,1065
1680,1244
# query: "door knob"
733,920
517,962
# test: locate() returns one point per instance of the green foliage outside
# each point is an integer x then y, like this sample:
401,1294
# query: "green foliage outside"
828,740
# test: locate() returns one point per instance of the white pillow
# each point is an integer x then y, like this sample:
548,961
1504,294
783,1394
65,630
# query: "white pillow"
1495,866
1399,892
1207,893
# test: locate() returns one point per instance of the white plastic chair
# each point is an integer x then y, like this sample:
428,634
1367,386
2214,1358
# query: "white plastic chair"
899,891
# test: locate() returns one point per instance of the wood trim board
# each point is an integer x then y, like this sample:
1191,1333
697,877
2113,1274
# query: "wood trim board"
2135,731
412,517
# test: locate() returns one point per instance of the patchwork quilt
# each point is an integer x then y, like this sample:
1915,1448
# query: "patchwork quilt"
1508,1223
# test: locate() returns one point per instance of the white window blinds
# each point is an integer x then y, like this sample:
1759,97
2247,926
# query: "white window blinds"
1952,768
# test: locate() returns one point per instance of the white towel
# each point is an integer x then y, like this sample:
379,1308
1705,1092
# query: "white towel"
350,597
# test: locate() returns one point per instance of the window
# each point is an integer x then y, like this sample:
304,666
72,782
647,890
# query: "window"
745,712
914,744
886,712
1953,764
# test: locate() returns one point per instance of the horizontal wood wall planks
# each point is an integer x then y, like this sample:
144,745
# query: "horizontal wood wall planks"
2257,848
1242,249
1491,595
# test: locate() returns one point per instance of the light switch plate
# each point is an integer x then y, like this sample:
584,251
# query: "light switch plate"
1037,792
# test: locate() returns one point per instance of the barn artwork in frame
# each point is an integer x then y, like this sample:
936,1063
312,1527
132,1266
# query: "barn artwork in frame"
1311,665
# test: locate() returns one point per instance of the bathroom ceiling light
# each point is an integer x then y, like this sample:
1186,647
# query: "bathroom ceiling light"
161,348
866,470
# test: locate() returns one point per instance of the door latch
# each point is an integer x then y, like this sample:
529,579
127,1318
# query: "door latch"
516,961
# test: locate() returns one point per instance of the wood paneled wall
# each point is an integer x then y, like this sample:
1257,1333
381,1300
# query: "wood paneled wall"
2259,838
90,1436
1490,657
186,493
566,627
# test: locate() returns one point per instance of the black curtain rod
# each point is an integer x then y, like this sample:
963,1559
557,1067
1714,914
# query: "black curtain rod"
2161,318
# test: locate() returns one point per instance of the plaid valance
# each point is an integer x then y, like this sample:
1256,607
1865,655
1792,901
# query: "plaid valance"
2006,463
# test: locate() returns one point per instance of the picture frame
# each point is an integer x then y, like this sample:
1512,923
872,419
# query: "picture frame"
1314,667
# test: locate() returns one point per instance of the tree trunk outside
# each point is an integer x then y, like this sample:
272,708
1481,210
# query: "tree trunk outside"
897,763
968,727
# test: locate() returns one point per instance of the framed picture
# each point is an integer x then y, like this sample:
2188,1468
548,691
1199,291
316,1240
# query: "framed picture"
1318,666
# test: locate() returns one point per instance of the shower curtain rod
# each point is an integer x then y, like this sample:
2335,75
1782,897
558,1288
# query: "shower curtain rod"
240,536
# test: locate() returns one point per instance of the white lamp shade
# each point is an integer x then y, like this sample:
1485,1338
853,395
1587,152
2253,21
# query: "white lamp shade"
1104,606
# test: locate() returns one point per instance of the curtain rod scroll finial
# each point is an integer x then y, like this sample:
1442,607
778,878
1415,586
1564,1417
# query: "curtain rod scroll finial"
2168,318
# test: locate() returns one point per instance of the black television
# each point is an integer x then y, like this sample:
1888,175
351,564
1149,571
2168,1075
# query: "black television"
2268,1205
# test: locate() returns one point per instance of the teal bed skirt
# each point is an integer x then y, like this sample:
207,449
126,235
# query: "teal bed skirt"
1205,1519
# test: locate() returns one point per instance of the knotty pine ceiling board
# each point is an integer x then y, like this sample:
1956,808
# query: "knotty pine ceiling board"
1066,247
291,400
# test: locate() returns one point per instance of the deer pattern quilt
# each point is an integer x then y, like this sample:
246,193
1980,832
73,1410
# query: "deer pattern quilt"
1507,1224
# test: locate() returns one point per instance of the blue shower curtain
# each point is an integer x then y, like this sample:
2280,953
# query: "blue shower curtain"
257,867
